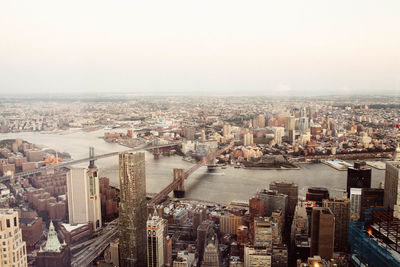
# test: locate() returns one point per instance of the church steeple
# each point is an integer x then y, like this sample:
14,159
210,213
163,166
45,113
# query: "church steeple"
52,244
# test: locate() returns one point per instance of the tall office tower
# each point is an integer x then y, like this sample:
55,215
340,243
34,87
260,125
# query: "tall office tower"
322,232
341,211
155,241
392,196
263,233
255,257
303,124
83,191
279,132
205,232
132,209
13,249
303,112
358,176
273,201
211,256
248,139
355,203
53,253
299,233
287,188
370,198
290,123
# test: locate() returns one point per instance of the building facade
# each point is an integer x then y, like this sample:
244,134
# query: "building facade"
358,176
83,190
341,211
13,249
391,196
155,241
132,209
322,232
255,257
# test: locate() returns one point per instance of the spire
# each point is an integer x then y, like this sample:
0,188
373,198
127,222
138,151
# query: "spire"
155,214
52,243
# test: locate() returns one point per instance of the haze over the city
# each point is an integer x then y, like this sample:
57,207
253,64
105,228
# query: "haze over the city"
213,47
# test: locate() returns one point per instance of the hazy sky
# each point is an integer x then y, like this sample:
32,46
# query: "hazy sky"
215,47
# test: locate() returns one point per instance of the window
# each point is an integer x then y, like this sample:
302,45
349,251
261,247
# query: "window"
8,223
15,221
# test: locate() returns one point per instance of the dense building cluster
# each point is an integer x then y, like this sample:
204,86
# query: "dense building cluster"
87,219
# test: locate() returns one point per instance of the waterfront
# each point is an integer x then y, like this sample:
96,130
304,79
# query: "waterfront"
222,186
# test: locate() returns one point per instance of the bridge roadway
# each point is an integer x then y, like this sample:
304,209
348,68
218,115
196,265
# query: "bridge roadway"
72,162
157,199
91,249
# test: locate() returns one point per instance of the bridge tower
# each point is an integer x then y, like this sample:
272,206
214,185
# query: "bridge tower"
91,152
179,192
211,161
156,151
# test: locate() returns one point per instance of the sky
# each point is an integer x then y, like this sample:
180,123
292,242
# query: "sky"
218,47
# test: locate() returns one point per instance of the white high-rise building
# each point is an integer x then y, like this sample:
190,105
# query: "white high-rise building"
226,131
355,203
155,241
248,139
83,190
303,124
12,248
278,134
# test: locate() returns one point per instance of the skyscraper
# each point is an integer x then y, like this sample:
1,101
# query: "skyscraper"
288,188
341,210
155,240
322,232
13,249
392,196
226,131
273,201
83,190
263,232
278,134
303,124
355,203
248,139
132,209
290,123
358,176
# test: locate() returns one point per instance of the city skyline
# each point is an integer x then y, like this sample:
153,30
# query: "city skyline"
224,48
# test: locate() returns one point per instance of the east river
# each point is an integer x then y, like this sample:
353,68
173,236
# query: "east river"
222,186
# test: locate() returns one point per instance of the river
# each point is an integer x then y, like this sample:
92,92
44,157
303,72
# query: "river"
222,186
